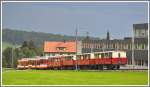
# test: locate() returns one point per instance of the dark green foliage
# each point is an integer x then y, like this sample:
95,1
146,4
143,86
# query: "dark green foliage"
7,57
27,50
25,44
31,45
28,53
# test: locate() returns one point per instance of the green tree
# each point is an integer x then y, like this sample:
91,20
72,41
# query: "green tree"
32,45
25,51
7,57
25,44
28,53
39,51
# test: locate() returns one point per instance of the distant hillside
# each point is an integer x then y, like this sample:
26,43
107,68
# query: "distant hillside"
18,36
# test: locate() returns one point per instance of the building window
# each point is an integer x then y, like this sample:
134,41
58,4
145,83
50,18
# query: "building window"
113,45
53,54
129,46
61,48
143,46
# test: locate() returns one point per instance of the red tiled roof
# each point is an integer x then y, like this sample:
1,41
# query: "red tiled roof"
51,46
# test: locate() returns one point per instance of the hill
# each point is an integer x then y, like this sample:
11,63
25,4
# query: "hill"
18,36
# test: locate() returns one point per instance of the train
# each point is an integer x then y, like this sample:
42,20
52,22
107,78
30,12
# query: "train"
92,61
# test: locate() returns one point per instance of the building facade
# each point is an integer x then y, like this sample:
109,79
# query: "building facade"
140,46
140,30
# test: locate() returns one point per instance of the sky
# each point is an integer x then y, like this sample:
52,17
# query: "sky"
64,17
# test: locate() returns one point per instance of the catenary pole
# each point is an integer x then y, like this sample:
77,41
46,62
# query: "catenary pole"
12,59
76,48
133,61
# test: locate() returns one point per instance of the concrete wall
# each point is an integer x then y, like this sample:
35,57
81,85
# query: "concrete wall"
79,47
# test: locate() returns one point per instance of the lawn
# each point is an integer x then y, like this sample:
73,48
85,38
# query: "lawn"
52,77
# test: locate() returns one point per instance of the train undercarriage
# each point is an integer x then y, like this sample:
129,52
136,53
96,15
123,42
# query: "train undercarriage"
81,67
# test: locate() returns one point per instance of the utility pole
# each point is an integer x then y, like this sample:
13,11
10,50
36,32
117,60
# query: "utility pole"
92,48
76,48
133,62
12,59
103,46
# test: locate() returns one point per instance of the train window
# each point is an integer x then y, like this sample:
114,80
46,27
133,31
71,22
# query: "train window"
96,55
106,55
37,62
118,55
41,61
51,59
81,57
33,62
71,57
78,56
56,59
88,56
110,55
68,58
84,56
102,55
99,55
30,62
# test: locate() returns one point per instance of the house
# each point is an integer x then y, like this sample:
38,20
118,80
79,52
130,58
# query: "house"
55,48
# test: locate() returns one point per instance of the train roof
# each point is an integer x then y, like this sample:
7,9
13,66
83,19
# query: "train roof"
37,58
110,51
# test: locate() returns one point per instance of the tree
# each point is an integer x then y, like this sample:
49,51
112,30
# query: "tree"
7,57
39,51
25,44
25,51
28,53
32,45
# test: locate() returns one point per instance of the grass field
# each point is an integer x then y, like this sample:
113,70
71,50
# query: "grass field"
48,77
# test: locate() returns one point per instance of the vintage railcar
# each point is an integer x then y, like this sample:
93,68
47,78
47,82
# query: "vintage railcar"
22,63
95,60
110,59
68,62
54,62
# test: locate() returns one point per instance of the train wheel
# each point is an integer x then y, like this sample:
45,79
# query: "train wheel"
118,67
109,67
100,67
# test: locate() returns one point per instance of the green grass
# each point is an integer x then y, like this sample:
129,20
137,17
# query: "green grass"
49,77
